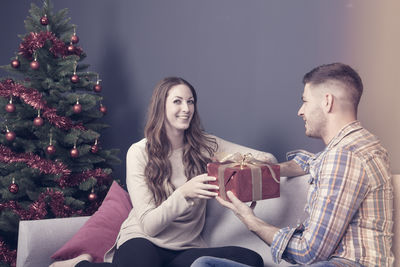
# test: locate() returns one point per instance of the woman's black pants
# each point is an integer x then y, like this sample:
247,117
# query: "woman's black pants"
140,252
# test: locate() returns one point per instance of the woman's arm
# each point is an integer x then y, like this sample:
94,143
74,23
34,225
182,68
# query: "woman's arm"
153,219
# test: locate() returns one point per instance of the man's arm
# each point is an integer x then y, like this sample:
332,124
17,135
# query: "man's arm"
245,213
291,168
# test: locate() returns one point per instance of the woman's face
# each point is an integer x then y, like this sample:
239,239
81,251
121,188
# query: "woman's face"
179,108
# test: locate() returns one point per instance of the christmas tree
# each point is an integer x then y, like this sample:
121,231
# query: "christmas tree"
51,160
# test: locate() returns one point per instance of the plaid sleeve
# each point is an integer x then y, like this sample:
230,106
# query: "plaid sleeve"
280,242
339,192
301,157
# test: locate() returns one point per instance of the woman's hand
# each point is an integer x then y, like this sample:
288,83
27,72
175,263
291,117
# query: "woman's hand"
198,187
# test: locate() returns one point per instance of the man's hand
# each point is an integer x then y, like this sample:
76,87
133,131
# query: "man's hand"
246,214
241,210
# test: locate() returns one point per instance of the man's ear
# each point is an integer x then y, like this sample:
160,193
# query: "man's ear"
329,99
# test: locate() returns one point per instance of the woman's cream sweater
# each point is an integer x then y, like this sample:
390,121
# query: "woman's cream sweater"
177,223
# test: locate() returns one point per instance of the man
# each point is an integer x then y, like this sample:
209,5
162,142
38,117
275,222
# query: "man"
350,201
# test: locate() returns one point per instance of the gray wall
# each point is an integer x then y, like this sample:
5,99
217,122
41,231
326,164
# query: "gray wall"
246,58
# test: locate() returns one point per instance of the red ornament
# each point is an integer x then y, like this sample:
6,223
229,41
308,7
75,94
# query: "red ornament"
77,108
74,39
71,48
97,88
74,78
92,196
15,63
35,65
103,109
10,108
13,187
10,136
38,121
94,149
50,149
44,20
74,153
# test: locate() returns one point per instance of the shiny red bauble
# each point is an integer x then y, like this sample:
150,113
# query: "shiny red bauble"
13,188
97,88
15,63
71,48
74,78
103,109
38,121
50,149
92,196
74,153
74,39
35,65
94,149
77,108
10,136
44,21
10,108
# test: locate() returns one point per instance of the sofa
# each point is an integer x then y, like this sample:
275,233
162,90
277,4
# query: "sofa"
39,239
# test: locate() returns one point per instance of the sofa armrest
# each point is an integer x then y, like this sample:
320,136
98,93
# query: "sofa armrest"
39,239
396,218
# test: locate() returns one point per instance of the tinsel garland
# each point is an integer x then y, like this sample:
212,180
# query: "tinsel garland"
6,255
33,98
38,209
36,40
76,179
53,199
47,166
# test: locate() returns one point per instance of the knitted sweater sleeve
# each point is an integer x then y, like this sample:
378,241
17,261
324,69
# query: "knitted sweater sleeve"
152,219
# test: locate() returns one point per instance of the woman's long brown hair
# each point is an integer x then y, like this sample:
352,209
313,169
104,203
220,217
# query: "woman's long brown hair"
197,150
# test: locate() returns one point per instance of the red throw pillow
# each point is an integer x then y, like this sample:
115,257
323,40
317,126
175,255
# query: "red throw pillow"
99,233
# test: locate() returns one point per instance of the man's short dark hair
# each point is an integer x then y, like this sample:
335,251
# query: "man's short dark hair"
337,72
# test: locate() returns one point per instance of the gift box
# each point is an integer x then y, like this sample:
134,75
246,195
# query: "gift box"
249,179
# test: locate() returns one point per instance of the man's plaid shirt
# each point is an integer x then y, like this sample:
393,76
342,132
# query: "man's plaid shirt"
349,204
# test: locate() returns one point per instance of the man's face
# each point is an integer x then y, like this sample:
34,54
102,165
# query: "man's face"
311,111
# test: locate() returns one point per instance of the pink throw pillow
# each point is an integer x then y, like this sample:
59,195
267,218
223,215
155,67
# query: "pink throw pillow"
99,233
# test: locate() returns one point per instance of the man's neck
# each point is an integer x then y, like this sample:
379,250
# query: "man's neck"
335,126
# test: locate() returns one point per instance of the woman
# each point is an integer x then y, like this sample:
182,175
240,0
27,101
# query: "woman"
168,186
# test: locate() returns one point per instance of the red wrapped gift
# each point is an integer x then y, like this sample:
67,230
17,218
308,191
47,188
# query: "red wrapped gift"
247,178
